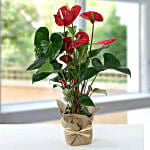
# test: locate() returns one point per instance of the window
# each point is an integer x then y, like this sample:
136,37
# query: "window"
38,108
18,29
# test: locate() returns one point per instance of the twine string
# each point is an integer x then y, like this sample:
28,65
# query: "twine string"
69,131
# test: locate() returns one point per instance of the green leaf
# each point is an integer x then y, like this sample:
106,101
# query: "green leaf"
83,52
68,94
39,76
56,65
110,60
123,70
85,100
81,30
72,30
47,67
55,85
41,34
56,79
44,44
55,46
88,73
96,63
36,64
65,92
89,88
85,111
95,52
97,90
57,41
39,53
83,65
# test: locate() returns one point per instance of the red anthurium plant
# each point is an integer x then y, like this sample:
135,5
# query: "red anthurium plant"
70,57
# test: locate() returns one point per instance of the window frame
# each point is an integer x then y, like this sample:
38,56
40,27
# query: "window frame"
0,66
32,112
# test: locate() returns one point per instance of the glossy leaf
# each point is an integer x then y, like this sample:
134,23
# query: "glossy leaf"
97,90
41,34
36,64
86,100
95,52
88,73
57,41
110,60
56,65
55,46
39,76
47,67
39,53
97,63
123,70
44,44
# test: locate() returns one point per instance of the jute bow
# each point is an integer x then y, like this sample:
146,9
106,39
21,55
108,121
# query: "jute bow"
69,131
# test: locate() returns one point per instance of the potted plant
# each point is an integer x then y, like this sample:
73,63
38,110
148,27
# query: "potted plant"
70,57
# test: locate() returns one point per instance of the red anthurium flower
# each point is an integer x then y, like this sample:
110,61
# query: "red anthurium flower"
106,42
92,16
63,82
67,44
66,59
65,16
83,38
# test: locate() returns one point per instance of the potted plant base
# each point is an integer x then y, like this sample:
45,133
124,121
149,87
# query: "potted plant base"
78,128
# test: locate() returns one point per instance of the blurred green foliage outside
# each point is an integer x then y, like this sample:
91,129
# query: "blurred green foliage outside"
20,19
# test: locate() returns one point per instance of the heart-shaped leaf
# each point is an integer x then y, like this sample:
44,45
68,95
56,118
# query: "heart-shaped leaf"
97,63
55,46
39,76
41,34
97,90
36,64
47,67
110,60
95,52
86,100
56,65
123,70
88,73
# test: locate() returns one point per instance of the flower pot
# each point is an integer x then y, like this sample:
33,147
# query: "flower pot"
77,128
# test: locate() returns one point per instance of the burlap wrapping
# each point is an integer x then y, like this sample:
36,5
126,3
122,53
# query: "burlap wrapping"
78,128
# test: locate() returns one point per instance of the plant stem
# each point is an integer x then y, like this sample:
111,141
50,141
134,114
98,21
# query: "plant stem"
93,80
64,31
92,38
63,76
73,33
92,83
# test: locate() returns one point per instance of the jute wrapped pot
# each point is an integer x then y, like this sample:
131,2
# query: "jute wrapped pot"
77,128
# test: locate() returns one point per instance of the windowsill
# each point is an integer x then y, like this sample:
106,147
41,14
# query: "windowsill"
47,110
48,104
